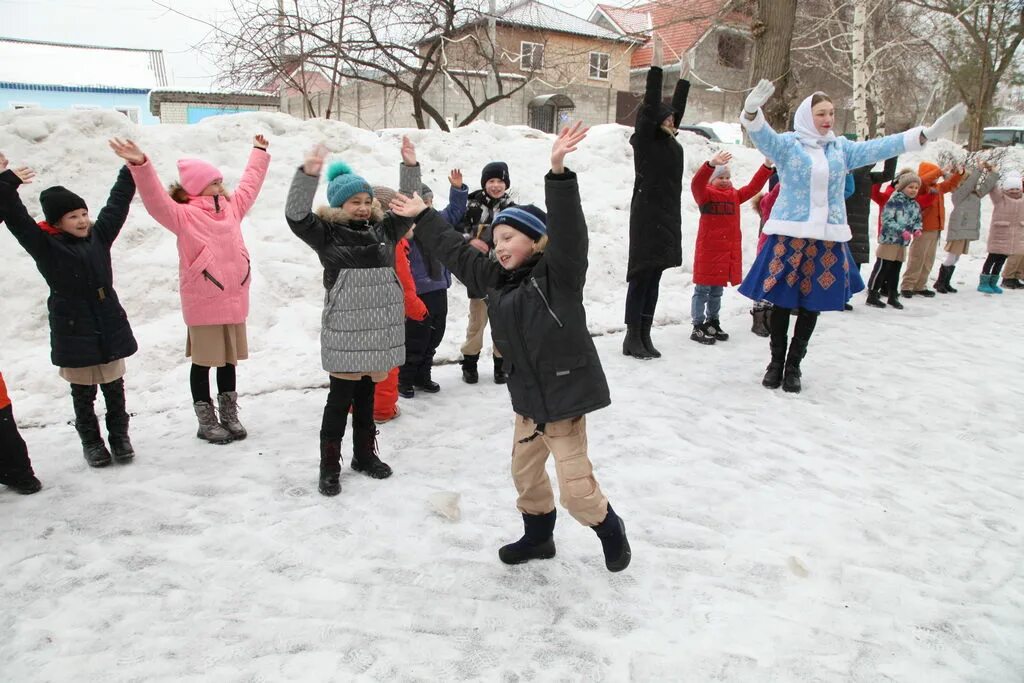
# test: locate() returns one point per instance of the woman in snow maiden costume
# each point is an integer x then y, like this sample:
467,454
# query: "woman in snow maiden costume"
363,333
214,271
901,221
535,303
89,332
1006,233
964,221
806,263
655,223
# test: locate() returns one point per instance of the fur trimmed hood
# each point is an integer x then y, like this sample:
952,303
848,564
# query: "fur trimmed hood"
340,216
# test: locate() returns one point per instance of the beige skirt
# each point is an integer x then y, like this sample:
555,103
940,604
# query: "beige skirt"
891,252
958,247
95,374
214,346
376,377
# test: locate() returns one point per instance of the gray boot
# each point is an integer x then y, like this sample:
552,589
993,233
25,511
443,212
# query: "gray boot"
228,404
209,429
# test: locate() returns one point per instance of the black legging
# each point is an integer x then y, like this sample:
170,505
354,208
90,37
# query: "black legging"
642,296
993,264
199,379
804,328
345,394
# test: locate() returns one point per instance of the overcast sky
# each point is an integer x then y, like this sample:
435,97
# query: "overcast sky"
146,24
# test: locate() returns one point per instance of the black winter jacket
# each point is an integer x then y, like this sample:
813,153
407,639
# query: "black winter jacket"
858,207
88,326
536,311
481,209
655,224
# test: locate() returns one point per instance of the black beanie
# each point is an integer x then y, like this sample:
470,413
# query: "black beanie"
57,201
496,169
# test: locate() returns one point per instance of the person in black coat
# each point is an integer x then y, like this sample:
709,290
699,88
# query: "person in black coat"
858,207
534,290
89,332
655,224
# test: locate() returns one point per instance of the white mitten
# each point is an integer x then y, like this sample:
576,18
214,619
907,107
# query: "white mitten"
761,93
946,122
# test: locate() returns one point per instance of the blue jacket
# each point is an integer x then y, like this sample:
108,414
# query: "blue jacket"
441,278
901,214
812,205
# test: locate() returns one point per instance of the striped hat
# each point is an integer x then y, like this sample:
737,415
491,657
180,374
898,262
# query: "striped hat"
526,218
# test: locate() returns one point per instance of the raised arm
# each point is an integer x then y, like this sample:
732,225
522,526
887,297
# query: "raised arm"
568,240
298,209
458,197
252,179
951,183
989,183
113,216
679,97
870,152
158,203
756,183
888,172
646,124
410,174
474,268
16,216
969,184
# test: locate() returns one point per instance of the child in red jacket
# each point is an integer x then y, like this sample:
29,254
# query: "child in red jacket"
718,259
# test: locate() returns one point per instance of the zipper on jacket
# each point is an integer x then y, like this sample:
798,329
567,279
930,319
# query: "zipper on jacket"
533,281
248,271
216,206
212,279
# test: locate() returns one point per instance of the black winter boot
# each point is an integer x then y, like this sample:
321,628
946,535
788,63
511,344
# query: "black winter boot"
773,375
364,454
423,378
633,344
894,300
701,335
330,466
83,396
875,300
469,373
406,390
15,466
759,326
647,322
499,371
1012,283
942,282
537,542
714,328
117,422
612,532
797,351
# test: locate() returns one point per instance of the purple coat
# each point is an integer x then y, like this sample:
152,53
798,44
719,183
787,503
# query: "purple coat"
453,213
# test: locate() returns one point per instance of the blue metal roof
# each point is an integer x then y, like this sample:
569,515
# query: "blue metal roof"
71,88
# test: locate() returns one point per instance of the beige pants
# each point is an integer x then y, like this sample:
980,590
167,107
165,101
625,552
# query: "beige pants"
920,260
475,331
579,491
1014,267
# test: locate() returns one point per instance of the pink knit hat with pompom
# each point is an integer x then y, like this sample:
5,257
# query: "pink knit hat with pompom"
195,175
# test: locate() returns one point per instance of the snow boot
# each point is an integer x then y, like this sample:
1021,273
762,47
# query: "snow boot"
907,294
209,428
894,300
330,466
645,336
993,283
759,326
364,454
24,483
773,374
714,328
875,300
633,344
15,466
847,307
797,351
926,293
612,532
537,542
469,373
499,371
227,403
117,422
942,283
424,381
985,284
1012,283
83,396
701,335
406,390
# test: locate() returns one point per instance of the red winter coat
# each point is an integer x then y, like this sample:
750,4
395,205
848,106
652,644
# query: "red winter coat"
718,259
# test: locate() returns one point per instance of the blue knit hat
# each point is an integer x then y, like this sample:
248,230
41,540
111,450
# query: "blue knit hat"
343,183
526,218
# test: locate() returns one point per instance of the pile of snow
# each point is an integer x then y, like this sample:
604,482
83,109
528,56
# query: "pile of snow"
728,132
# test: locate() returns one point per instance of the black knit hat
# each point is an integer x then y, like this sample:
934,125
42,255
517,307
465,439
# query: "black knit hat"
526,218
496,169
57,201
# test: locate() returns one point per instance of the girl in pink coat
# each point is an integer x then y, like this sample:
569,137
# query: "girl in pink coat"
213,270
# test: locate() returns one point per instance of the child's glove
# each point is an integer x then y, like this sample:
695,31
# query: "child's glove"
906,235
917,233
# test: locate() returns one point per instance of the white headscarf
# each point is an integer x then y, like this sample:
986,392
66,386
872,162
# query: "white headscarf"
803,124
1011,181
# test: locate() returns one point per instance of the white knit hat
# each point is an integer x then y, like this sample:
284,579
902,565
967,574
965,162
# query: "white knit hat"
1011,181
721,171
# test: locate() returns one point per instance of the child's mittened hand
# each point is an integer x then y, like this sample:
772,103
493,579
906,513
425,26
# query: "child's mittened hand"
128,150
314,161
917,233
906,235
408,151
261,142
455,178
408,207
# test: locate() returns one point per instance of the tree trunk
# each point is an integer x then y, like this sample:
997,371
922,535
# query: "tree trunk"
861,70
772,29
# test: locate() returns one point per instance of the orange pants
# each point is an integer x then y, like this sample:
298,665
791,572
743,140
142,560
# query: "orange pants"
385,397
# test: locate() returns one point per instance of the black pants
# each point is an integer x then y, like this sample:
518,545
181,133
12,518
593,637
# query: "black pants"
993,264
885,279
423,337
642,296
348,394
14,461
199,379
779,324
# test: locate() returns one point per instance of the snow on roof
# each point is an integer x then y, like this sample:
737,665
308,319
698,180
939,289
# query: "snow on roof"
629,21
63,64
533,14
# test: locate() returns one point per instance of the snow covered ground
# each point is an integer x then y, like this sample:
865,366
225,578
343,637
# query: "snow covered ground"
868,529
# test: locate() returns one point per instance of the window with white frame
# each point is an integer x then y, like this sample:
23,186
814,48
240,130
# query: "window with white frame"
599,65
131,112
531,56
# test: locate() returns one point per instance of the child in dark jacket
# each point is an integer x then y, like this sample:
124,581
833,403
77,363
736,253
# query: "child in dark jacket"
718,257
89,332
901,221
363,335
15,467
534,290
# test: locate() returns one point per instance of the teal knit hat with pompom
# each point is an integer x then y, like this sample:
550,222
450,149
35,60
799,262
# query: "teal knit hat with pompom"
343,183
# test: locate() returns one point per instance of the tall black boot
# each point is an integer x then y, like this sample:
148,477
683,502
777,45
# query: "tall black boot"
330,466
117,421
647,322
537,543
942,282
773,374
83,396
364,454
759,326
469,373
612,532
633,344
499,371
797,351
15,466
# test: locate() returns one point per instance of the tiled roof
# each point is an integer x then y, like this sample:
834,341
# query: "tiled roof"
64,64
533,14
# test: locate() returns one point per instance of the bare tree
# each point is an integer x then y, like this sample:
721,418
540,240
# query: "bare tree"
772,29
